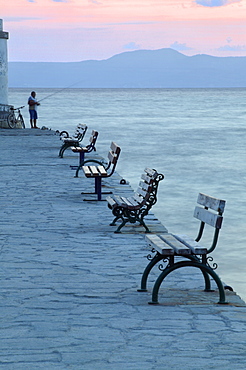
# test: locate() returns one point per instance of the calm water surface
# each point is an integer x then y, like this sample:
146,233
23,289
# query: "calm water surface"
195,137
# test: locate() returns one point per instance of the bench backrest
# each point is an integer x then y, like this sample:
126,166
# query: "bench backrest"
113,156
93,139
211,214
146,193
80,131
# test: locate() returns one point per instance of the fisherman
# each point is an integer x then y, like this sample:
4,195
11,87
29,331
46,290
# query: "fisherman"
33,104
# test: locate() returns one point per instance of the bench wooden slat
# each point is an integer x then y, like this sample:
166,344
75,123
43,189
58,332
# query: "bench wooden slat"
119,200
135,203
147,178
159,245
87,171
93,136
142,193
115,200
102,170
150,172
217,205
112,157
192,244
94,171
70,139
115,148
138,199
74,148
143,185
208,217
90,171
123,201
180,244
114,153
126,202
179,248
111,201
130,202
78,149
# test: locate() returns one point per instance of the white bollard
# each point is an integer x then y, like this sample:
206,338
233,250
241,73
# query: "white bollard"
3,65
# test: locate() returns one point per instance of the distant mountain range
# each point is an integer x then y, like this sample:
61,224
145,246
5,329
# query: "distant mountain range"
163,68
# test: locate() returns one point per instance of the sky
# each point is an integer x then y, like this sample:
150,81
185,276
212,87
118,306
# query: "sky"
77,30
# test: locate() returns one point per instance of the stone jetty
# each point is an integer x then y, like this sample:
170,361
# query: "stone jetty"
68,292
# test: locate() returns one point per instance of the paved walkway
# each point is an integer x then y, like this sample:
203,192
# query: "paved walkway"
68,294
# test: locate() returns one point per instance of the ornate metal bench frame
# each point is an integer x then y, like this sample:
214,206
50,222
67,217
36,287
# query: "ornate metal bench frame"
74,140
168,246
102,170
134,209
82,150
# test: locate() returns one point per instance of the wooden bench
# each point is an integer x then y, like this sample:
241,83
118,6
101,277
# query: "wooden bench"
85,149
181,251
102,171
73,140
133,209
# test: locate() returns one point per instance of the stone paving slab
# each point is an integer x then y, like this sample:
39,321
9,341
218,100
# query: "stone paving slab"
68,293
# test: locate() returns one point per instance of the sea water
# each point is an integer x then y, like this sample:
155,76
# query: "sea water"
195,137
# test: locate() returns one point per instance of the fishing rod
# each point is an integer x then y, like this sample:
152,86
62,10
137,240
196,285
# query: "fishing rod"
57,92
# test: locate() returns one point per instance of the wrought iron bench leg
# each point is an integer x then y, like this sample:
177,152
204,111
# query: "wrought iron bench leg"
98,187
147,230
81,158
118,212
177,265
117,231
62,150
113,223
124,222
158,257
65,146
77,171
141,220
127,216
